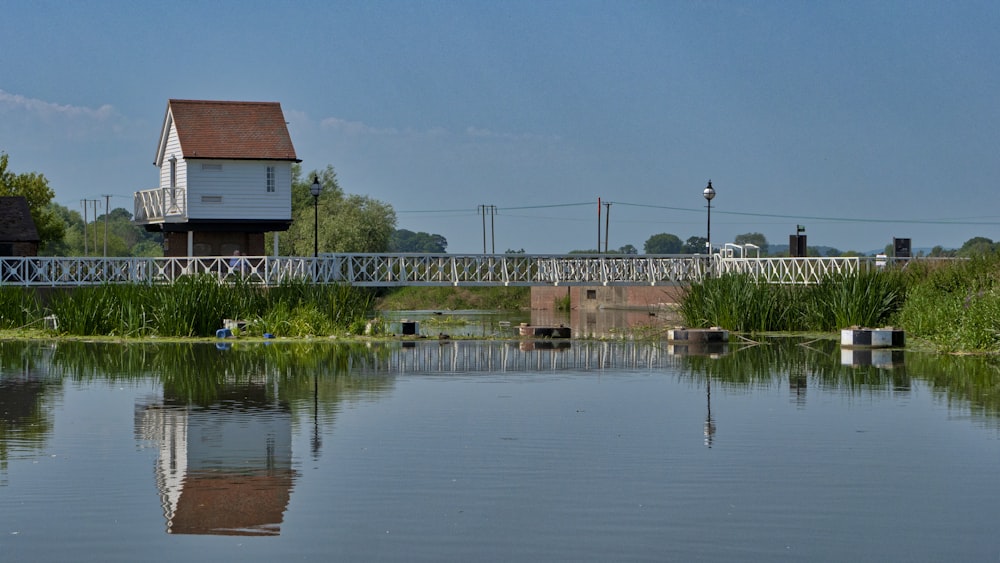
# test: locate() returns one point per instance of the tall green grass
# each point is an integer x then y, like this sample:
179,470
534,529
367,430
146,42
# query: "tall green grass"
196,306
737,302
954,306
865,299
19,307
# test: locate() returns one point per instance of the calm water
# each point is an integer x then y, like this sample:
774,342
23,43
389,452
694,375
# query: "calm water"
495,451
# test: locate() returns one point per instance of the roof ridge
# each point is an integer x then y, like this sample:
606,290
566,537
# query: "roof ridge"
228,102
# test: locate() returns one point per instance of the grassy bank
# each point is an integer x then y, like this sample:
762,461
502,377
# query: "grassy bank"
952,306
456,298
192,307
956,307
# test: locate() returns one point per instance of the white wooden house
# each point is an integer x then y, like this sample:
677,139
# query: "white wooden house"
225,178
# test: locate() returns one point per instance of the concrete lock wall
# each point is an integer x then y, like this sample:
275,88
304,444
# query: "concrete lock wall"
610,297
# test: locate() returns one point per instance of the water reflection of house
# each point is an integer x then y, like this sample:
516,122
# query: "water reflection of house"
223,469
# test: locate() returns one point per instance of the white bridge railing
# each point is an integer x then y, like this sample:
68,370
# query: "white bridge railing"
381,270
788,270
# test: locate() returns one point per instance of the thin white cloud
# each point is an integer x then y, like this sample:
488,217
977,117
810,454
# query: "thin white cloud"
361,128
481,133
355,127
49,110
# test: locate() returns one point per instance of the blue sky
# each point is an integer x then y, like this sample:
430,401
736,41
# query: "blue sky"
862,120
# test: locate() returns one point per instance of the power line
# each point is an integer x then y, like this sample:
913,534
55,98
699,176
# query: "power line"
981,220
954,221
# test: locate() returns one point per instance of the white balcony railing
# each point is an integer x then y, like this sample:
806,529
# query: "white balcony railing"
160,205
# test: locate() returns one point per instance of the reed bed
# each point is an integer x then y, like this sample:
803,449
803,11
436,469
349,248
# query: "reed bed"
738,302
19,307
195,306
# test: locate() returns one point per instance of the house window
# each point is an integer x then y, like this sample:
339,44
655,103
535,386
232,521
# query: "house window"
270,178
591,294
173,172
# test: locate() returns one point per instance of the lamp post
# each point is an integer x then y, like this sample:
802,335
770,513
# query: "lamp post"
709,194
314,190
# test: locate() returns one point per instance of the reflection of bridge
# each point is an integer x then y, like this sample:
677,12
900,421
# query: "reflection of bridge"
467,356
383,270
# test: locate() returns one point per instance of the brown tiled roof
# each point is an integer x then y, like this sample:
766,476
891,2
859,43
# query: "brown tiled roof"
16,224
232,130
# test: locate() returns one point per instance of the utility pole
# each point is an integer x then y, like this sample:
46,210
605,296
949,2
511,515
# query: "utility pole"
598,225
482,211
83,203
107,204
492,210
493,240
94,201
607,221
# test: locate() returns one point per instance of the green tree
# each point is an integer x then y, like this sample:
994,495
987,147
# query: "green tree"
694,245
663,243
35,189
124,238
628,249
753,238
347,223
941,252
977,246
404,240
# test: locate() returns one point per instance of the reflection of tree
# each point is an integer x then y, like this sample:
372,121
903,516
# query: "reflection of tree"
802,362
196,372
25,420
972,381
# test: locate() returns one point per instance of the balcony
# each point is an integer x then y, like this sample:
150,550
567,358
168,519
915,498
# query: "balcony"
160,205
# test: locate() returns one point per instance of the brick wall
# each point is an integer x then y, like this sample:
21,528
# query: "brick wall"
596,297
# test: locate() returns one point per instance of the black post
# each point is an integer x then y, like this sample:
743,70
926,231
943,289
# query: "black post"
316,226
709,227
709,194
315,190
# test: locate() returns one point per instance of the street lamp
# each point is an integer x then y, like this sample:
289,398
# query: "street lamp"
314,190
709,194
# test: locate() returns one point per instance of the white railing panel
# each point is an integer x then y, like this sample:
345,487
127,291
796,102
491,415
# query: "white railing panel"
381,270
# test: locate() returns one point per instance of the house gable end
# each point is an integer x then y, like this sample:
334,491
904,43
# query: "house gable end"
161,150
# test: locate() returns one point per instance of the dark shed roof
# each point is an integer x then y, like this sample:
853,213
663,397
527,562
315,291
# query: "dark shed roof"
16,224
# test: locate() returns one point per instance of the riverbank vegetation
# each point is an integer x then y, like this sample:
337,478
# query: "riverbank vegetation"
192,307
737,302
954,306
